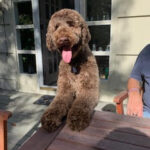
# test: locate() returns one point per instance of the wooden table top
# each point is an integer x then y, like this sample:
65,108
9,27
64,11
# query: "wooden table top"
107,131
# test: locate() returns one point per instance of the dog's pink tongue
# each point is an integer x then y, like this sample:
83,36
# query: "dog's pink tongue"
67,55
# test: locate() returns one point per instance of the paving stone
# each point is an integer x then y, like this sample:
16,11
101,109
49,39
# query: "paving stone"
26,115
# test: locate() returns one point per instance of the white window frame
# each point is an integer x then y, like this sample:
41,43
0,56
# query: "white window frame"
37,38
95,23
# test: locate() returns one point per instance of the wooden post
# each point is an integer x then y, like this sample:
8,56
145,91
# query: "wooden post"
4,115
3,134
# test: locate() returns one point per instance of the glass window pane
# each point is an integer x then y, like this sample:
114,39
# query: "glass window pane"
47,11
68,4
26,39
103,65
56,5
50,59
27,63
100,37
24,13
50,67
98,10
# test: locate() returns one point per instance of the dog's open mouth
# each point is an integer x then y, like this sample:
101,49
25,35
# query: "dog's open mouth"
67,52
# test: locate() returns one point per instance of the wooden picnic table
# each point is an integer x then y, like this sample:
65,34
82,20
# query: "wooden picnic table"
107,131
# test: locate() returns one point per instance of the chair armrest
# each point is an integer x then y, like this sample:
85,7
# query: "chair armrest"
121,97
5,114
119,101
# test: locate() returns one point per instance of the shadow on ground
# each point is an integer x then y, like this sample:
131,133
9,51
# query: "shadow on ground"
26,115
109,107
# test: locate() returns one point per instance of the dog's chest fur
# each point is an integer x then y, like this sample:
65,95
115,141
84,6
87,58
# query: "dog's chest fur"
77,78
79,75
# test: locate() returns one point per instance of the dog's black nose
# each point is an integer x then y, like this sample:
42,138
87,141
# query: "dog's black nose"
63,40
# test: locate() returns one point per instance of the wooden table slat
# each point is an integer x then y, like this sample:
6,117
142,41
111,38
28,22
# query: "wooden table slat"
107,131
106,144
65,145
108,116
88,143
121,126
90,137
40,140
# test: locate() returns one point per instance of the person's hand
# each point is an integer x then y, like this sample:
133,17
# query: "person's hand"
135,105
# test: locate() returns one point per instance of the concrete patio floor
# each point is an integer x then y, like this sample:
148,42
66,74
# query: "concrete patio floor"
26,115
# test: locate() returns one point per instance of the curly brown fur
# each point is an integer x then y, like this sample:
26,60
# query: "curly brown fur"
78,91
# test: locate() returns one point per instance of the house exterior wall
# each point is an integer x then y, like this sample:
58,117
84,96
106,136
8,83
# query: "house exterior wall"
129,34
8,61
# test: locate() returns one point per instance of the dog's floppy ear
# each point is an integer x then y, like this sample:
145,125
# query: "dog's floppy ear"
49,41
86,36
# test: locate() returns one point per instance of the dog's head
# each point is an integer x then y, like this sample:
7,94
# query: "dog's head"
67,32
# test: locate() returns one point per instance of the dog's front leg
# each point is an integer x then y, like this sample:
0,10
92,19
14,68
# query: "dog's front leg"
79,115
52,117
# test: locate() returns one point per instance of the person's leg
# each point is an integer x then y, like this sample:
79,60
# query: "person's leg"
146,114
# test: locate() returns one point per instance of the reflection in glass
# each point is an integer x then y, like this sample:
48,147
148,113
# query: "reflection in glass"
55,5
24,13
50,61
47,11
98,10
100,37
68,4
27,63
103,65
54,62
27,39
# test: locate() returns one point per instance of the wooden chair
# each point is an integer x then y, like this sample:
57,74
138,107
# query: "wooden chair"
4,115
119,101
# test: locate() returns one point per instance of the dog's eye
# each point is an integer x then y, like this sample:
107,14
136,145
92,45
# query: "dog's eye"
56,27
70,23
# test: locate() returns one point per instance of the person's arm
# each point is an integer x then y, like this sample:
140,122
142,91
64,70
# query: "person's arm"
135,105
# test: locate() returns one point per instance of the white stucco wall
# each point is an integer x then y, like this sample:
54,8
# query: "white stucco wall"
8,63
130,32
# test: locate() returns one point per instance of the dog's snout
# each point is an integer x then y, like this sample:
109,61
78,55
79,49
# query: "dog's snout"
63,40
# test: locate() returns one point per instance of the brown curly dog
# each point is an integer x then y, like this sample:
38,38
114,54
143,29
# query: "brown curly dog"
78,80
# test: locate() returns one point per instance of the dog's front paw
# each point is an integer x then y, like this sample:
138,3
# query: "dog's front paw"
78,119
50,120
